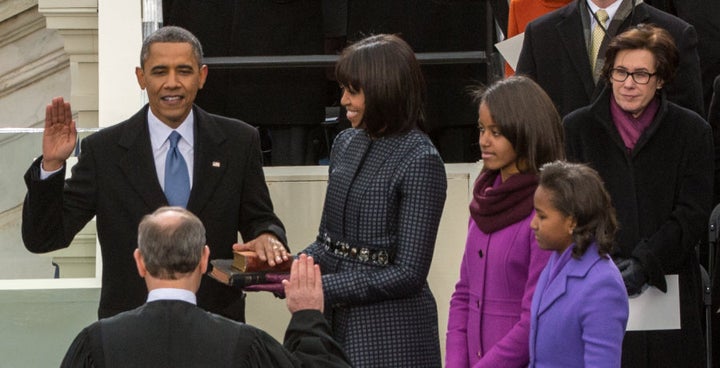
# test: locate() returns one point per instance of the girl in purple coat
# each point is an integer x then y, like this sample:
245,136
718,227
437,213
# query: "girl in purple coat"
489,319
580,308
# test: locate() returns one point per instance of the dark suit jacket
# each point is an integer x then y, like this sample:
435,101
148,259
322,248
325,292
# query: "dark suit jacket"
115,180
703,15
172,333
554,54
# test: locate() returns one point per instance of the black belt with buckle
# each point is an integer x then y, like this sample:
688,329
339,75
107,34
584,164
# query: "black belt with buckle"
361,253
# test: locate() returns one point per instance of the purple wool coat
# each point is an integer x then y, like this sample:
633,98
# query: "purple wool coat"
579,317
489,320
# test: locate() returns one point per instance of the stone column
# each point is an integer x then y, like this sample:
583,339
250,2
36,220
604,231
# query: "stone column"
77,22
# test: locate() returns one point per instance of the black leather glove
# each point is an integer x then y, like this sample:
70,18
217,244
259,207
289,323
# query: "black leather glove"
633,275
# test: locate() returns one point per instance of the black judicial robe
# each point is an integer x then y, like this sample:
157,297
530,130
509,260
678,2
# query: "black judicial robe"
173,333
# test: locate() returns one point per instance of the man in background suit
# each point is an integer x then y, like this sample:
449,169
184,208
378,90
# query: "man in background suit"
120,177
170,331
555,52
703,15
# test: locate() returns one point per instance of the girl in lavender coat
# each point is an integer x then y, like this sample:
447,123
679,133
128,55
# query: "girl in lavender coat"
580,307
489,320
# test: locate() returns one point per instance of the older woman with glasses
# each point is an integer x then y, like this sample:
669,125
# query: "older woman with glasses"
656,160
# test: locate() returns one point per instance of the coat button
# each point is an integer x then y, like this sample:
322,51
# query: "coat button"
480,253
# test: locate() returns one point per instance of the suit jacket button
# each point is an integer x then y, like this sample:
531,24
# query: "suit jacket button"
480,253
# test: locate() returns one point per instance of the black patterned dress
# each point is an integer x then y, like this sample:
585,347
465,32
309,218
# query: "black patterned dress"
384,201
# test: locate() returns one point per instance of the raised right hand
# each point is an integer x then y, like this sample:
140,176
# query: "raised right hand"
60,135
304,288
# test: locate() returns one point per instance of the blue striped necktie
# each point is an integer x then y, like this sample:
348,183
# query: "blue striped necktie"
177,180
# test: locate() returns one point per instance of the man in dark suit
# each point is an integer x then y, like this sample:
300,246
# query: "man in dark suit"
120,177
703,15
170,331
555,52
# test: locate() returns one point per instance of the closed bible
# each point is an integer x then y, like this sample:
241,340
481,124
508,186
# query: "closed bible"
246,269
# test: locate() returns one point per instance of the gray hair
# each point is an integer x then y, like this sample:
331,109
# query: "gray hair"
171,245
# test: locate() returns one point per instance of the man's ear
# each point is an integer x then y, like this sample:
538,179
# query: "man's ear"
203,75
204,259
139,263
140,75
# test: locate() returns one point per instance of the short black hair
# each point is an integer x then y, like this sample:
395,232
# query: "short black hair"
171,34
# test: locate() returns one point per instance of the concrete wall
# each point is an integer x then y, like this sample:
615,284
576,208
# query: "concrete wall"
52,311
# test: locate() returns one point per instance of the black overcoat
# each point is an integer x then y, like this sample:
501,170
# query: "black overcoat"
662,192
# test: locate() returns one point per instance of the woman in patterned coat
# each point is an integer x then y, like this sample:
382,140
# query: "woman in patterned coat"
385,196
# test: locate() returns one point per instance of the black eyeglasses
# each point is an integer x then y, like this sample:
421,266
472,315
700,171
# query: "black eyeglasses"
620,75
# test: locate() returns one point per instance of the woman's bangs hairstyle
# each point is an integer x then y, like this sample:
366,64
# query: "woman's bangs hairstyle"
385,69
646,37
578,191
527,118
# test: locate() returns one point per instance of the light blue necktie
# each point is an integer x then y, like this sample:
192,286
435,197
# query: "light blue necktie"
177,180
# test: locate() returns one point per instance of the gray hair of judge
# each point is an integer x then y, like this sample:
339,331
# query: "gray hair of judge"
170,34
171,242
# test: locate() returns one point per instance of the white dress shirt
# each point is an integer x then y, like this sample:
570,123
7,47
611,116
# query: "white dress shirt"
159,133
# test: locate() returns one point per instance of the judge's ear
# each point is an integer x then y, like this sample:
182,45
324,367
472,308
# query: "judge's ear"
139,263
204,259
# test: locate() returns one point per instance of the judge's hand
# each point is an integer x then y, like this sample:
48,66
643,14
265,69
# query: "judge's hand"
304,288
60,134
267,247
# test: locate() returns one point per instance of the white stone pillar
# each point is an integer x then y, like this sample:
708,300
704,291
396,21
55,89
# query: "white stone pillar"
77,22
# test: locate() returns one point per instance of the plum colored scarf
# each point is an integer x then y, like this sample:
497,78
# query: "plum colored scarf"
630,127
497,204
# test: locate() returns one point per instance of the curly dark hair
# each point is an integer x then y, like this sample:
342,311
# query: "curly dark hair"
577,190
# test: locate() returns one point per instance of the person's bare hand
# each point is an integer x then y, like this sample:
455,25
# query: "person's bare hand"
60,134
267,247
304,288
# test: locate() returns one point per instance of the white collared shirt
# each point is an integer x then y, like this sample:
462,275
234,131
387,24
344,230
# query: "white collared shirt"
172,294
611,10
159,133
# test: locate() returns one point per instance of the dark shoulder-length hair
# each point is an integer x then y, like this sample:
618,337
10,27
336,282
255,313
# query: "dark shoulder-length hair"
385,69
577,190
646,37
527,118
